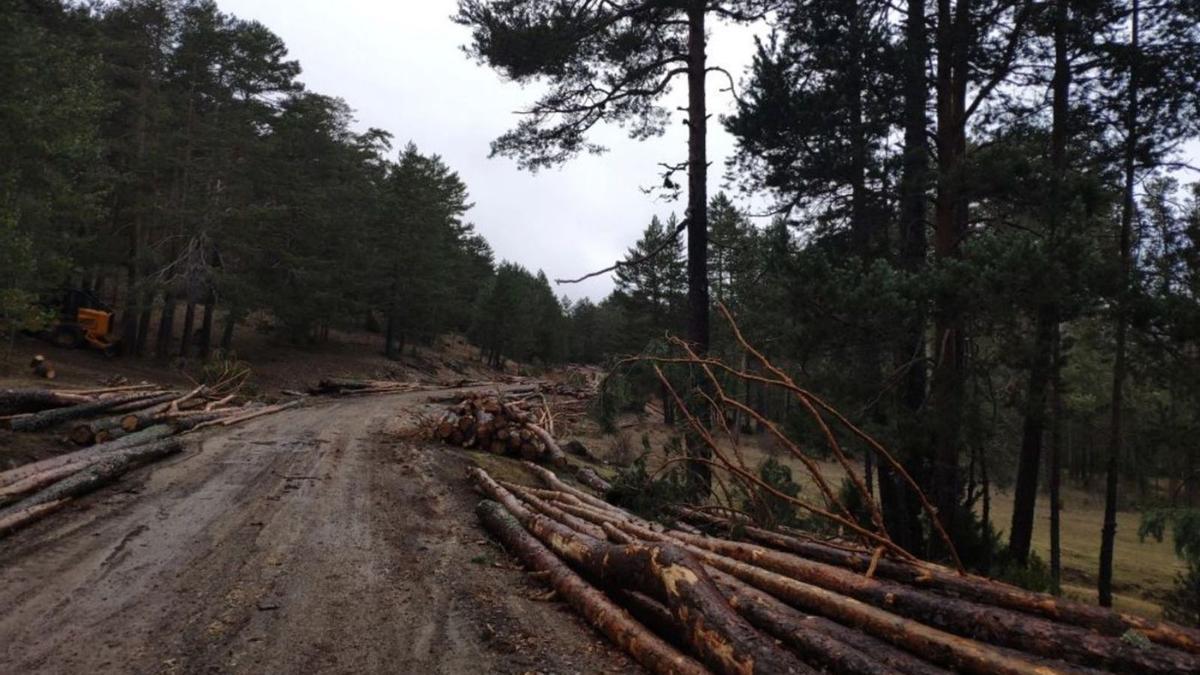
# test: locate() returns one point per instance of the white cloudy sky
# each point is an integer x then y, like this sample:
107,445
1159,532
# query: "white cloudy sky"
398,63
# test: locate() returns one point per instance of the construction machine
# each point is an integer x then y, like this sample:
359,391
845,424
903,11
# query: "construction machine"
83,321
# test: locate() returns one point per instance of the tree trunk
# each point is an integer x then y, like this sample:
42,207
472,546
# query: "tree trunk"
166,326
950,218
835,647
722,638
645,647
17,401
204,344
189,326
899,504
95,476
231,320
1056,441
145,303
697,227
997,626
1108,531
1030,458
50,418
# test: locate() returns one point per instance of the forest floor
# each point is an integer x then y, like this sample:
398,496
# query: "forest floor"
320,539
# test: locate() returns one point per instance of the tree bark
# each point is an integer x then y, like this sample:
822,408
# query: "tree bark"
95,476
85,432
697,227
722,638
166,326
822,642
950,218
204,344
24,471
977,589
189,326
899,505
1108,532
1030,459
646,648
50,418
24,401
980,622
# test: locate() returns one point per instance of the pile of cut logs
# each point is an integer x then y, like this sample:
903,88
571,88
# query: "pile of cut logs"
501,427
711,595
121,428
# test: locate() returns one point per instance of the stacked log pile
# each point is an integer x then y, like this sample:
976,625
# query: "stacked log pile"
747,600
121,428
501,427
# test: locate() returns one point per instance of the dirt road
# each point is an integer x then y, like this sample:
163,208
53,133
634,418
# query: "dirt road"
315,540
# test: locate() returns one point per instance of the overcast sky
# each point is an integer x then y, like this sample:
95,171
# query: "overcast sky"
400,66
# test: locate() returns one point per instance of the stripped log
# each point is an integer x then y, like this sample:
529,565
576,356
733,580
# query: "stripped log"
50,418
979,589
721,637
17,401
616,624
107,470
981,622
24,471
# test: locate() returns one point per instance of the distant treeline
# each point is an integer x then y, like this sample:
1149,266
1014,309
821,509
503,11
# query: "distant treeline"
164,156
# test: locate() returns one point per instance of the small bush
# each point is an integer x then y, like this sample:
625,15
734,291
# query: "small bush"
636,490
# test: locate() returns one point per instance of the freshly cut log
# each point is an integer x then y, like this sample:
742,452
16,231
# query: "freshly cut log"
107,470
615,623
128,441
142,404
979,589
981,622
545,508
49,418
549,478
553,452
817,639
721,637
98,391
590,478
40,480
85,433
23,517
17,401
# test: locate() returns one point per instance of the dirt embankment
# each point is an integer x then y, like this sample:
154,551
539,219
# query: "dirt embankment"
315,540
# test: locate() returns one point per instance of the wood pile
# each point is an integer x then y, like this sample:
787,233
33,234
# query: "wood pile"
121,427
746,600
338,386
502,427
